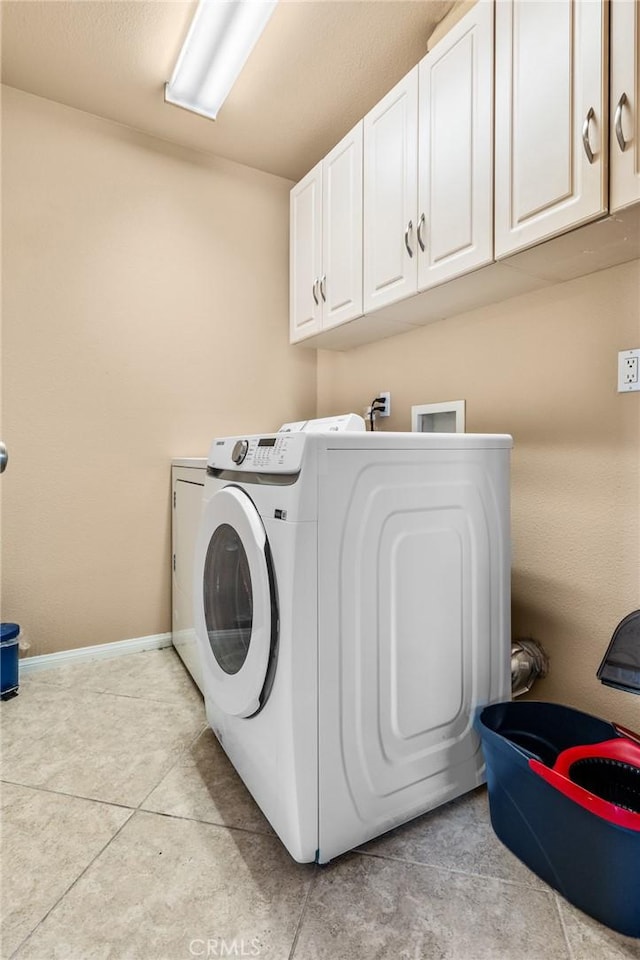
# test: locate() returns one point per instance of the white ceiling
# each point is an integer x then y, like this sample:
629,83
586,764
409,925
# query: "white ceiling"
319,66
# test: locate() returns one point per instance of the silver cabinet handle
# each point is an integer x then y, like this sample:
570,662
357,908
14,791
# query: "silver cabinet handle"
421,224
585,134
406,237
323,285
618,122
315,295
4,457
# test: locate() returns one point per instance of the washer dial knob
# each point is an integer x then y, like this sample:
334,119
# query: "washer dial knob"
240,451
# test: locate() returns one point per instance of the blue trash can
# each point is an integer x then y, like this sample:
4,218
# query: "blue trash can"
564,796
9,634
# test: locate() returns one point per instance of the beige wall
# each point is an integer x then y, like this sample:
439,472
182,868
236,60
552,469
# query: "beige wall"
145,310
543,368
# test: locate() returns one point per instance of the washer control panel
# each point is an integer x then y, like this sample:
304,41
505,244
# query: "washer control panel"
273,453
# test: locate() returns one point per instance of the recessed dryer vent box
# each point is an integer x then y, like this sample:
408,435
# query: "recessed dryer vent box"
438,417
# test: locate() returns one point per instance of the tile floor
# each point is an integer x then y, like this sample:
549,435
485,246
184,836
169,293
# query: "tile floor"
127,834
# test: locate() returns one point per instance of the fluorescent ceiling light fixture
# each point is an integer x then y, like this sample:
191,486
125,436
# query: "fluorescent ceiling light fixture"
221,36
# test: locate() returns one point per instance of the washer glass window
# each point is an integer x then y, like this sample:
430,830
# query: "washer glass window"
228,599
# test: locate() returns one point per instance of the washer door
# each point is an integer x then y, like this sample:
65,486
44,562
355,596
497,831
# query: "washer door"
236,614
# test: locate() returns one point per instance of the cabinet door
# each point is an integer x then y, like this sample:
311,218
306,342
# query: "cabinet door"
391,195
341,289
305,256
456,151
187,506
625,99
550,111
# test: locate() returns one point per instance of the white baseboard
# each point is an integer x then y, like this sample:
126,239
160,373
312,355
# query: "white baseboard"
102,651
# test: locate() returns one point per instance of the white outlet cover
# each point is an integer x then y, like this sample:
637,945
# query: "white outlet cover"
386,396
628,370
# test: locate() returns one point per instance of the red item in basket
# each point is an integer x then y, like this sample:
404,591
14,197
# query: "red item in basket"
620,749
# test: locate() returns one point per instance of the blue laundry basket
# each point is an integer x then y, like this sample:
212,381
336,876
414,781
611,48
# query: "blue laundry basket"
9,637
571,815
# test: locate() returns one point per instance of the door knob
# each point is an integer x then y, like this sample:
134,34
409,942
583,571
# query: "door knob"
585,134
406,237
421,224
622,143
4,457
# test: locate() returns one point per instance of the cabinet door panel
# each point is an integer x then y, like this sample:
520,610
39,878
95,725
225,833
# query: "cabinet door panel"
625,80
541,137
342,230
390,195
456,150
305,257
550,71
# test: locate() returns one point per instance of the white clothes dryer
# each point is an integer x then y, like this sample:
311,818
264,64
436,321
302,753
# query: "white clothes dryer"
352,609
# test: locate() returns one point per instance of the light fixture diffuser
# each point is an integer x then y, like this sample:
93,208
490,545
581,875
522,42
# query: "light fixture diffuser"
221,36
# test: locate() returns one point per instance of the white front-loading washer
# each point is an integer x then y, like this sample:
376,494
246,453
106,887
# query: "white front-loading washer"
352,608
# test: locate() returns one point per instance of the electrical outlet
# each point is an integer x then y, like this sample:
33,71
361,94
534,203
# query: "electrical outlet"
385,411
628,370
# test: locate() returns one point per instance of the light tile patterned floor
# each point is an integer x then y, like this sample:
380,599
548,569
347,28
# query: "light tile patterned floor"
126,833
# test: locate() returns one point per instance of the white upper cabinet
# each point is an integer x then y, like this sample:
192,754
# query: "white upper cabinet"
341,281
325,271
624,102
391,196
551,119
428,168
305,255
518,126
455,220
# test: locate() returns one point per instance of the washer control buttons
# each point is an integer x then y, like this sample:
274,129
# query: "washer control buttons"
239,451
